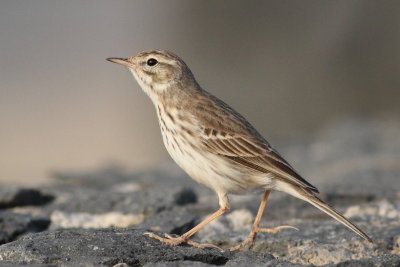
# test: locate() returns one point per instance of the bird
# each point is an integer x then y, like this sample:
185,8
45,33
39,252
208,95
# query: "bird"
215,145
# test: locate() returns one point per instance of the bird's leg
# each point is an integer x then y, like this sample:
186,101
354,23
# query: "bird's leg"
175,241
256,225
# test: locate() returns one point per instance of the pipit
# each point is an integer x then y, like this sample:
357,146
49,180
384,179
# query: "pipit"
215,145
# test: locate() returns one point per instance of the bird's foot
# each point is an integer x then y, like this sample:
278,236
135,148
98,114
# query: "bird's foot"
169,240
251,238
176,241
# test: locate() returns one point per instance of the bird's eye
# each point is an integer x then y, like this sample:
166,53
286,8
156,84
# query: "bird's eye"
152,61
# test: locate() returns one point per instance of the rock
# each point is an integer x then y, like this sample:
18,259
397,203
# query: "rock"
23,197
113,200
317,242
13,225
108,247
379,261
396,244
252,259
61,219
113,177
129,247
12,264
170,221
235,221
147,201
384,208
178,264
237,259
240,220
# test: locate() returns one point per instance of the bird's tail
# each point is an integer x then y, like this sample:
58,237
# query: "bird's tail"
310,197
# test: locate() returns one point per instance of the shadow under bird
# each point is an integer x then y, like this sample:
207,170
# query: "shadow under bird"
215,145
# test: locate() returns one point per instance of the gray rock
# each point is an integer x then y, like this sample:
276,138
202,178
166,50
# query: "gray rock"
23,197
114,190
60,220
13,225
109,247
238,259
179,263
171,222
146,201
379,261
317,242
250,259
108,177
13,264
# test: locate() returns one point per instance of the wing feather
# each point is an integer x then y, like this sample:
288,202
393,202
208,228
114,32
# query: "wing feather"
254,154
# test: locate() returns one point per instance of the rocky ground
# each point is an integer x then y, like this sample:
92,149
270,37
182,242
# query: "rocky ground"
98,217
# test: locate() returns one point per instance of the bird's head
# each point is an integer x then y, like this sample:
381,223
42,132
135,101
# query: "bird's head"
157,71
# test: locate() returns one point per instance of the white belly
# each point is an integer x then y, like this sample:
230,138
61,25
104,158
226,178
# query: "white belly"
212,170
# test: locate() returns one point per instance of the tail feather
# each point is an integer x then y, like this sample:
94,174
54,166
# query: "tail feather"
308,196
328,210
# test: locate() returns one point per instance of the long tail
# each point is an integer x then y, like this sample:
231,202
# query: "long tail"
309,196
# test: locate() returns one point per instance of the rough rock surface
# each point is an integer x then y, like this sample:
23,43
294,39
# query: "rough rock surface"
116,246
18,197
103,246
97,218
12,225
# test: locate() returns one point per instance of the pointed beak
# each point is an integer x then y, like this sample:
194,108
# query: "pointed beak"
121,61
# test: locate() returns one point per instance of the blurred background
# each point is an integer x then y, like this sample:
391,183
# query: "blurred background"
290,67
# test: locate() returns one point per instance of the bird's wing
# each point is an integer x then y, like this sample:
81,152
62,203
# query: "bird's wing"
252,153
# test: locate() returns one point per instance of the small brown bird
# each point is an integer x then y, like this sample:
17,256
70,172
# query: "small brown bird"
214,144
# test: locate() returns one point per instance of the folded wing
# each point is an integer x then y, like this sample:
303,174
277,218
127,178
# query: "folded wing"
252,153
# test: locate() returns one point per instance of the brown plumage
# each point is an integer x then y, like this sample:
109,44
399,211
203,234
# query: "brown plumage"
214,144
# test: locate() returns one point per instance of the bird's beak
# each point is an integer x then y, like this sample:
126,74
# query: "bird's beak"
121,61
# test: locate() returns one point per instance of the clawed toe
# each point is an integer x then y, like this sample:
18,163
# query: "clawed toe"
175,241
172,241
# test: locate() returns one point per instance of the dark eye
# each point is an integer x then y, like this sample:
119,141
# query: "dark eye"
152,61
